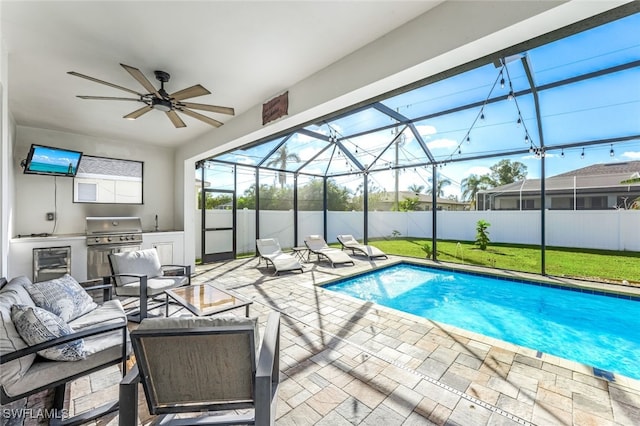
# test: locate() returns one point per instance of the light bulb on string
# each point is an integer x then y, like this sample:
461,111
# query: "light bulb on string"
468,139
582,155
482,115
611,152
562,153
502,83
526,138
519,122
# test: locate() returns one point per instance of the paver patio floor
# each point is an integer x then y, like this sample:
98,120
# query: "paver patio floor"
345,361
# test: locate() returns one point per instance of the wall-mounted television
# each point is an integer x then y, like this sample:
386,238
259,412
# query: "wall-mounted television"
47,160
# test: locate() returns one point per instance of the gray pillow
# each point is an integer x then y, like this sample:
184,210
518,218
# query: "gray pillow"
62,296
36,325
143,262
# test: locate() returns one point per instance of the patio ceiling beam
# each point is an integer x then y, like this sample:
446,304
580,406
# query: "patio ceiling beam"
405,120
325,138
275,149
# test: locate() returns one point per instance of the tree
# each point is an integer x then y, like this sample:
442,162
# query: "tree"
507,171
310,196
440,184
415,188
409,204
283,156
474,183
482,235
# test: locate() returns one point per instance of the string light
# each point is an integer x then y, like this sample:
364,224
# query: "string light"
482,115
562,153
611,153
502,82
582,155
519,122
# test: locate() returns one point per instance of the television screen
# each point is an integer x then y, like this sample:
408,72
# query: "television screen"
46,160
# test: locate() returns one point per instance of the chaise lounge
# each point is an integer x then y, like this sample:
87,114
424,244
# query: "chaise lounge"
317,245
269,250
350,243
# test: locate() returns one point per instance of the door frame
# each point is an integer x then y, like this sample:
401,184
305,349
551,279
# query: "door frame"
227,255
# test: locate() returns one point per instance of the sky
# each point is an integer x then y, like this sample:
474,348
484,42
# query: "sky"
595,109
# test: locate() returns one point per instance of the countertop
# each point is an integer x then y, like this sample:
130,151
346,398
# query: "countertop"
33,238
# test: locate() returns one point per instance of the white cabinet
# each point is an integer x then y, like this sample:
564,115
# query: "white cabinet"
170,246
165,252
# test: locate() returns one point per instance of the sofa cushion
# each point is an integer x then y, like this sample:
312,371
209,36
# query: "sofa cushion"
142,262
37,325
62,296
10,341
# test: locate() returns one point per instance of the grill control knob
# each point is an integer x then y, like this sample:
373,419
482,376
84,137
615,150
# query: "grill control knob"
109,239
97,239
121,238
126,238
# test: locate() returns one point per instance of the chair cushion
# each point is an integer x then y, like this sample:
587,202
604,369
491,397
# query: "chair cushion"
37,325
11,294
193,322
155,286
142,262
63,297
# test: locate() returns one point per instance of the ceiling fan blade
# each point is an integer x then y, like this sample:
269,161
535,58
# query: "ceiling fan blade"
175,119
95,80
212,108
137,113
208,120
108,98
137,74
190,92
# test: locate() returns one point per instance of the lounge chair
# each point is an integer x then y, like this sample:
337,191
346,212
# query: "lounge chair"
269,250
317,245
350,243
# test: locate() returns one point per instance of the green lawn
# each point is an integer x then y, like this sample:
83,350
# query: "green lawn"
599,265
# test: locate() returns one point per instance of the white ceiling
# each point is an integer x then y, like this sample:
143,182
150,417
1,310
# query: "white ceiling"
243,52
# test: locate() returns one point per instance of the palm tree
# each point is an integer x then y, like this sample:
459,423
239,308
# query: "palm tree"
280,161
474,183
415,188
441,183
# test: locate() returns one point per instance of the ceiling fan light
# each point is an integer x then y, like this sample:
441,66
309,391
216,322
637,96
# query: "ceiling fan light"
161,104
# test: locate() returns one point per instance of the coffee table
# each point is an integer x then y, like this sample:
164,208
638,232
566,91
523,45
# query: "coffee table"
205,299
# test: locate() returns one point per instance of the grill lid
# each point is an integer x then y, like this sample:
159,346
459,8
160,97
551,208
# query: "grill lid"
113,225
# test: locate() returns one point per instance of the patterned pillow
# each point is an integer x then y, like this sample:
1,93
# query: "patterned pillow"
36,325
62,296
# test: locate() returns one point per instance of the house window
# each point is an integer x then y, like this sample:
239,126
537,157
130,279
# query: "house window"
528,204
108,181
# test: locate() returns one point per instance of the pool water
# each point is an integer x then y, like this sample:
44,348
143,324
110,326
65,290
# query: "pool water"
597,330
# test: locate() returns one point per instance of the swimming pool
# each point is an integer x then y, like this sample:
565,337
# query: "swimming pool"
593,329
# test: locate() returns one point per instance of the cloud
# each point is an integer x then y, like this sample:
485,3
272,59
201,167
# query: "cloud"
478,171
426,130
634,155
442,144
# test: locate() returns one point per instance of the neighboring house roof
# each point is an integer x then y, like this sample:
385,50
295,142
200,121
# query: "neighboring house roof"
109,167
607,175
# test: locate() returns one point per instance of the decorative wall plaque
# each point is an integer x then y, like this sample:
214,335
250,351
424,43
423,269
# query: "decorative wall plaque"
275,108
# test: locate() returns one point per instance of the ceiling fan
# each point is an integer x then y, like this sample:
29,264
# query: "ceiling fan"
160,100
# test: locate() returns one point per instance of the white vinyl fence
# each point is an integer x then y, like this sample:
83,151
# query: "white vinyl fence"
598,229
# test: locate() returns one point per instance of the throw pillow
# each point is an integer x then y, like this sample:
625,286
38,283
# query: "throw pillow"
143,262
62,296
36,325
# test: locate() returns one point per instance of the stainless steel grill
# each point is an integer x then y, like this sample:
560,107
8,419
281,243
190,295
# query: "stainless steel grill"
106,235
113,230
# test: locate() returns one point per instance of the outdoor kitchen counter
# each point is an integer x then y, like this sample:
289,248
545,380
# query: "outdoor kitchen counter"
20,260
